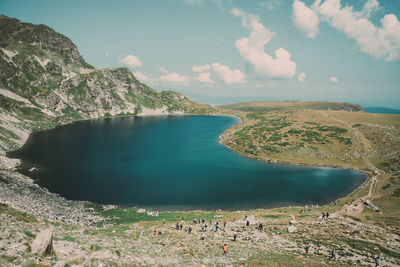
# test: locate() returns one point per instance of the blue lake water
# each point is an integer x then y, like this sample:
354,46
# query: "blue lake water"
381,110
171,162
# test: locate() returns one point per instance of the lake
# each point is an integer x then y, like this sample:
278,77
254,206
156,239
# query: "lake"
170,162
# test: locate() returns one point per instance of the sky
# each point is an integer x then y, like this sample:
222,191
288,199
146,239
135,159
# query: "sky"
220,51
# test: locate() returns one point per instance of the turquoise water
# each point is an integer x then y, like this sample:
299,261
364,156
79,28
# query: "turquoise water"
381,110
173,162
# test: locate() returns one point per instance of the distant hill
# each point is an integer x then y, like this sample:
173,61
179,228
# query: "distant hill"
265,106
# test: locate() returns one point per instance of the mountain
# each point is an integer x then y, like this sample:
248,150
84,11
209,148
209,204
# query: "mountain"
44,81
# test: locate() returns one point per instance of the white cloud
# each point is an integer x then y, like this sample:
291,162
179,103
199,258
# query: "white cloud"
227,75
202,68
305,19
302,77
333,79
131,61
174,77
204,77
252,49
369,8
141,77
163,70
378,42
107,54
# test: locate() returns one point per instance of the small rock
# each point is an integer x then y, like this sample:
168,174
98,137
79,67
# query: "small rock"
43,243
291,229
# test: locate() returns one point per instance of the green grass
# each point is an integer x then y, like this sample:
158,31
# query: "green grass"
68,238
274,216
29,234
370,247
130,215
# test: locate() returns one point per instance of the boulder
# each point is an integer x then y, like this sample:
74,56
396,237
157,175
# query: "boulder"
291,229
43,243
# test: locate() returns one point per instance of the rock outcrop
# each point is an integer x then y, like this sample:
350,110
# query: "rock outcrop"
44,81
43,243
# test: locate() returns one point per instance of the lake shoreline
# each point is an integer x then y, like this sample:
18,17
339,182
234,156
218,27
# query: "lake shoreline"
367,177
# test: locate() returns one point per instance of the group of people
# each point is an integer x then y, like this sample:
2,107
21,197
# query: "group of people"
188,229
259,226
324,215
204,226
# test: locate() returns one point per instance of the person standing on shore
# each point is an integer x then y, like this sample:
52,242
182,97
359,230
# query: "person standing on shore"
225,248
377,261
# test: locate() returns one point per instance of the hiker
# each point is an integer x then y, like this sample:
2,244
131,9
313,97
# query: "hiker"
247,223
202,236
377,261
224,224
234,237
225,248
177,226
307,248
323,215
260,226
333,255
327,215
181,226
190,229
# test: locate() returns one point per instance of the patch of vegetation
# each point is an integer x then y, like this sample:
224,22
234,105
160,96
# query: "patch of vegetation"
386,186
130,215
274,216
68,238
29,234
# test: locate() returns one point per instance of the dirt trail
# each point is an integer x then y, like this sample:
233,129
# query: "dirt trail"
357,206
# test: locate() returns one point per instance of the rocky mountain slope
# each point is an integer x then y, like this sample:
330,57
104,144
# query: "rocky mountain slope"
45,81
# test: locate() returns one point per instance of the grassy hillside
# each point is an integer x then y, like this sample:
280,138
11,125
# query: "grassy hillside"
267,106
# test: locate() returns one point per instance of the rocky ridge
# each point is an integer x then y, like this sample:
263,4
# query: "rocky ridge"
44,81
